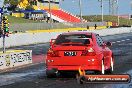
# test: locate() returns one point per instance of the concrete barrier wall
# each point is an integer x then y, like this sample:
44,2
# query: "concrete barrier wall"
43,25
111,31
43,36
15,58
27,38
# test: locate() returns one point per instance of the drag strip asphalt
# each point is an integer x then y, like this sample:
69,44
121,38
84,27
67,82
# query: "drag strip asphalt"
34,76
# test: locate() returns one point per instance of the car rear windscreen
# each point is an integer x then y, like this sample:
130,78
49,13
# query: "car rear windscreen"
73,39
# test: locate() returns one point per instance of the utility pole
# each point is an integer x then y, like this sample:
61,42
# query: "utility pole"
114,7
131,10
131,4
109,7
50,14
80,6
118,19
102,10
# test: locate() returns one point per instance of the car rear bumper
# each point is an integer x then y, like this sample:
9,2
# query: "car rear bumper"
74,68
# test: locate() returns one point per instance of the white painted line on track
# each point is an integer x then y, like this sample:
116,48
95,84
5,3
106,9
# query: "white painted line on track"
113,42
118,41
122,40
127,39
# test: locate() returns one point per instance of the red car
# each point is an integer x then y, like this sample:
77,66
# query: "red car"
72,50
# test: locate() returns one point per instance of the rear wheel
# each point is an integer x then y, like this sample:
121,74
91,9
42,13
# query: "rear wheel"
81,80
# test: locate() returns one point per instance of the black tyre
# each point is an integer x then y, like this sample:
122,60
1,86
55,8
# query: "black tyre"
110,71
81,80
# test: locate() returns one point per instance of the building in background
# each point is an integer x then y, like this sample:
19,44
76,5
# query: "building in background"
50,8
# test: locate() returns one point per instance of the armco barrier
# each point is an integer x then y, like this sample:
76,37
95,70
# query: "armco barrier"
42,36
15,58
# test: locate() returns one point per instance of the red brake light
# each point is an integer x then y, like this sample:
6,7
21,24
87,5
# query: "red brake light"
88,52
52,53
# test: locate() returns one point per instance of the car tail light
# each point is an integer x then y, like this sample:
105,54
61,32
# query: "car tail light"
88,52
52,53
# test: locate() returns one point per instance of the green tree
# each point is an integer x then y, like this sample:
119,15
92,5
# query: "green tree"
6,1
14,2
29,7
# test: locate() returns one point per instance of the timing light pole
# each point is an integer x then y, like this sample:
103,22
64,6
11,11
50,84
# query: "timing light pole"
3,33
3,30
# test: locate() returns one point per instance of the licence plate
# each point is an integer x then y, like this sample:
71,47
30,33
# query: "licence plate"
70,53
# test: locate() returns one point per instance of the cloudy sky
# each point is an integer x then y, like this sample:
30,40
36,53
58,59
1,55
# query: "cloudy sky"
1,3
92,7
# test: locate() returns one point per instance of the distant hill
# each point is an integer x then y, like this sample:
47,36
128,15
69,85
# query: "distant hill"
92,18
97,18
